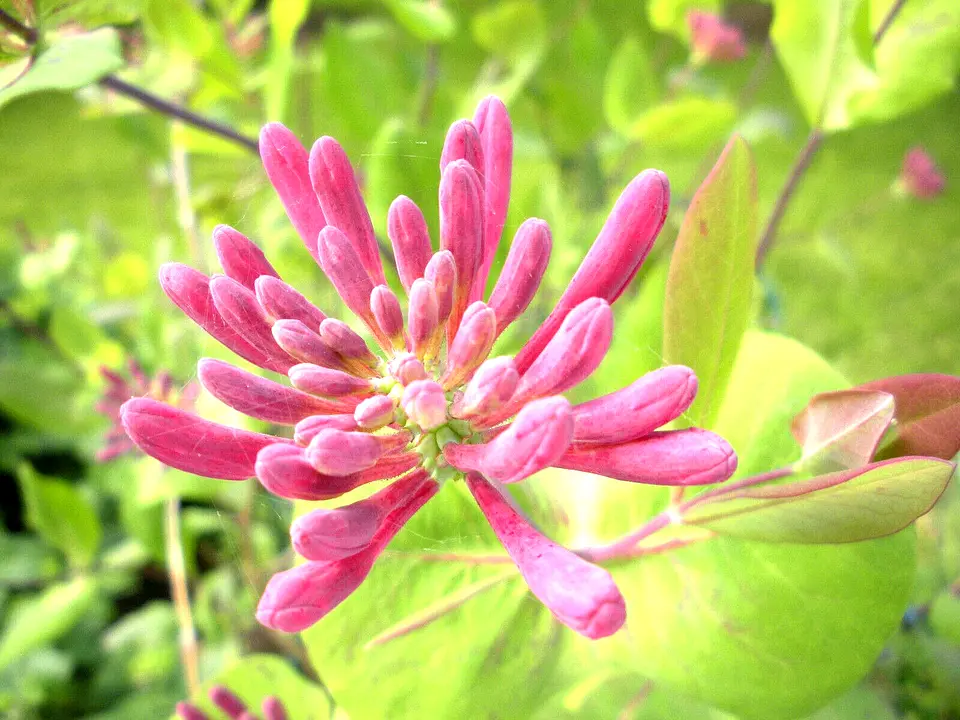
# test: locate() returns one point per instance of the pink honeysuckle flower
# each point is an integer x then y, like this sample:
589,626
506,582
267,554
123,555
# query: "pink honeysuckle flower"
919,176
232,706
714,40
430,407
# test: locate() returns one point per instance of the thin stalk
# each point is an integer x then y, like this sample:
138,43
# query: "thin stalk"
176,568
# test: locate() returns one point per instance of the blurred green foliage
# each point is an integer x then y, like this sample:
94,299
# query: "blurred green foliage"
96,192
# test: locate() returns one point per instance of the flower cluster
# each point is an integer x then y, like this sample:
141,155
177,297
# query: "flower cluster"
233,707
432,407
714,40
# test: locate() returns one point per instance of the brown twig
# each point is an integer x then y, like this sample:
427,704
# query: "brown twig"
29,34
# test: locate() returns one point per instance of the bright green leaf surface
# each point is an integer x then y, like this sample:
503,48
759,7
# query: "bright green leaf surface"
428,21
286,16
686,123
630,85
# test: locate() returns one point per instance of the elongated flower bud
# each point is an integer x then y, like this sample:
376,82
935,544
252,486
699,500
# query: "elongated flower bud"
615,257
335,452
326,382
537,439
442,272
423,318
581,595
286,162
233,706
386,311
472,344
522,272
491,388
425,404
678,457
341,338
239,307
296,599
374,413
461,232
170,435
258,397
327,535
305,345
310,427
496,135
410,238
638,409
186,711
282,302
405,368
273,709
240,259
463,143
336,186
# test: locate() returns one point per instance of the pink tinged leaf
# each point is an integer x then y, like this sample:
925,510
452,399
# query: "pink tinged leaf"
273,709
537,439
336,186
423,318
283,470
638,409
471,346
327,535
581,595
841,430
239,307
296,599
461,232
410,238
186,711
386,311
341,338
239,257
327,383
522,272
187,442
339,453
425,404
927,414
442,272
342,265
287,165
282,302
677,457
406,368
374,413
496,135
258,397
233,706
310,427
615,257
302,343
190,291
491,387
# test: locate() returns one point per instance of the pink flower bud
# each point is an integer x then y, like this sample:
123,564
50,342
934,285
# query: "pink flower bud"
282,302
581,595
341,338
258,397
386,311
522,272
273,709
442,272
374,413
463,143
713,39
573,353
405,368
410,238
920,175
615,257
678,457
186,711
490,388
310,427
638,409
339,453
461,232
190,291
233,706
327,535
305,345
286,163
283,470
423,317
425,404
296,599
240,259
496,135
336,186
190,443
537,438
325,382
471,345
240,309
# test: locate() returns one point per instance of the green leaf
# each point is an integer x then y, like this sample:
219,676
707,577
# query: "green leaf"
286,17
670,16
72,62
821,46
710,283
944,616
92,13
514,30
849,506
61,515
26,559
693,122
41,619
430,22
630,86
255,677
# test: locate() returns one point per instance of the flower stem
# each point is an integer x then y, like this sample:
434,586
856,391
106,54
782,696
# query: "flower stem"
176,568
